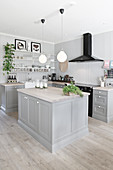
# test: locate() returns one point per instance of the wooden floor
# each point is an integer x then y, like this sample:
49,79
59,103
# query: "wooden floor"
19,151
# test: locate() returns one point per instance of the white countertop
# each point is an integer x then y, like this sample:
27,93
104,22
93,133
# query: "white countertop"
11,84
104,88
51,94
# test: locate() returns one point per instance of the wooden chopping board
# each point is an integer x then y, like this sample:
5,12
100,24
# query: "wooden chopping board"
63,66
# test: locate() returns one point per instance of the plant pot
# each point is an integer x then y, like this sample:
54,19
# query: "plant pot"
67,94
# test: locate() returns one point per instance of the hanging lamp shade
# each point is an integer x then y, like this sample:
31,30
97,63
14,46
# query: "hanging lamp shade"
61,56
42,57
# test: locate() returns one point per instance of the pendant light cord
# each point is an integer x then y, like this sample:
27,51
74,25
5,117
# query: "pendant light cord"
61,27
42,21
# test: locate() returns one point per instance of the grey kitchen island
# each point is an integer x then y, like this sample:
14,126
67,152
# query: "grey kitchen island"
51,118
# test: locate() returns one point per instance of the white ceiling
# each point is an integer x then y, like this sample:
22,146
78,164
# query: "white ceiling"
17,18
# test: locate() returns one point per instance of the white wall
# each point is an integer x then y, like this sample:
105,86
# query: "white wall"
48,49
87,72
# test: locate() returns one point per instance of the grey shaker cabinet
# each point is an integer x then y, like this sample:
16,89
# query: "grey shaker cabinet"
9,98
53,124
35,113
102,105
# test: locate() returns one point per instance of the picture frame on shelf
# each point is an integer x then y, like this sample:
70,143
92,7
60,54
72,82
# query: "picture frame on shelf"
20,45
35,47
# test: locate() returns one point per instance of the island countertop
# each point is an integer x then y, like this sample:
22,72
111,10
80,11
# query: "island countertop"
51,94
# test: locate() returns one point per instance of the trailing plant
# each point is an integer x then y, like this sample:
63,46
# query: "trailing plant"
72,89
8,58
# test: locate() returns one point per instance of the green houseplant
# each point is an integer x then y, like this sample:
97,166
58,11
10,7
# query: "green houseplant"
72,89
8,58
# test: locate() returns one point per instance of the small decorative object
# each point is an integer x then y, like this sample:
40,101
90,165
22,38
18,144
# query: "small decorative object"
37,83
8,58
72,89
20,44
45,83
106,64
35,47
41,84
111,64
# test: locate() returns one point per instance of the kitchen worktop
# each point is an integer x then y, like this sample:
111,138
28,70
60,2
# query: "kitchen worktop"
104,88
11,84
51,94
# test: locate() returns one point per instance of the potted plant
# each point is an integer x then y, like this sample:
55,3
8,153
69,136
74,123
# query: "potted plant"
72,89
8,58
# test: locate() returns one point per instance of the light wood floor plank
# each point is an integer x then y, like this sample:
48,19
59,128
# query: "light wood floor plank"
19,151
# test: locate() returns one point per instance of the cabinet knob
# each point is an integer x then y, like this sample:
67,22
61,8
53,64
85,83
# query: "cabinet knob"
99,96
99,91
25,97
37,102
99,106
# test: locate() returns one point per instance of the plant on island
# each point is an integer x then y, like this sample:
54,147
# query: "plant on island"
72,89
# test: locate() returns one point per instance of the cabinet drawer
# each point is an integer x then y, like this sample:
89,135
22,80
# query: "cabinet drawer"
100,92
99,110
100,100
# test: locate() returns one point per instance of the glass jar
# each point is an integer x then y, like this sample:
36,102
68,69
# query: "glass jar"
41,84
45,83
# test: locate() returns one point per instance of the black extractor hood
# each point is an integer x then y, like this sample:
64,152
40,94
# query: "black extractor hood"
87,50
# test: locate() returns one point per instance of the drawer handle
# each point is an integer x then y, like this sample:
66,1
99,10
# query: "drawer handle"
25,97
37,102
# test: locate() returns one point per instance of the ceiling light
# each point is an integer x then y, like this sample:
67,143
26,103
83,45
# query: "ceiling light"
62,56
42,57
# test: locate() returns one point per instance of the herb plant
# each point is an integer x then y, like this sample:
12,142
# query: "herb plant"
72,89
8,58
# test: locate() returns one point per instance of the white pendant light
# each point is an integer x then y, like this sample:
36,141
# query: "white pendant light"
62,56
42,57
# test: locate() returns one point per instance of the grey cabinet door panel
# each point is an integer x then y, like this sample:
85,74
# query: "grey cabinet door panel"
62,120
79,114
100,92
100,100
44,119
100,110
24,108
33,113
11,97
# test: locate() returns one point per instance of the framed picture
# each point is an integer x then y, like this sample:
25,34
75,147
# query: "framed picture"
35,47
20,45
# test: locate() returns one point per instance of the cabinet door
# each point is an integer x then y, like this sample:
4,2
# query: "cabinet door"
44,125
12,96
33,113
23,108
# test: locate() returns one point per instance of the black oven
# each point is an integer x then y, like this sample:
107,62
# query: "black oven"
89,89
